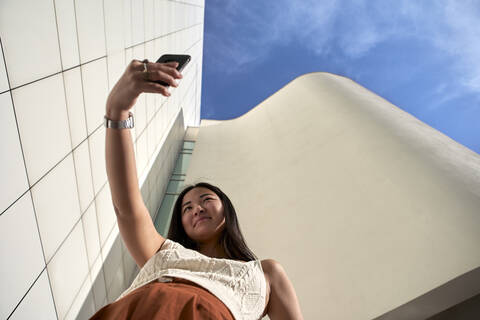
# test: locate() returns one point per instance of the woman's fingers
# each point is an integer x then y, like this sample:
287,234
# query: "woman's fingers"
162,76
169,68
165,72
153,87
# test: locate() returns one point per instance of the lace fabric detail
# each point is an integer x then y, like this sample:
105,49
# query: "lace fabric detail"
241,286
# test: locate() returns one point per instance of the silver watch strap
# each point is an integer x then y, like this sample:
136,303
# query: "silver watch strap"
122,124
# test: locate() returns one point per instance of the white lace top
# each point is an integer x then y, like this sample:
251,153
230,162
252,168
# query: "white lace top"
241,286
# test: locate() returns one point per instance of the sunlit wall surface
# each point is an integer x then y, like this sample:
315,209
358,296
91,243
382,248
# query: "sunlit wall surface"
371,212
59,59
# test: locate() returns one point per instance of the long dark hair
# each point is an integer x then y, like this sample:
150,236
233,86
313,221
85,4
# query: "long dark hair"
231,239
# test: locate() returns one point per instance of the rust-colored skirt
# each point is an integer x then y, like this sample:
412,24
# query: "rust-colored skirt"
180,299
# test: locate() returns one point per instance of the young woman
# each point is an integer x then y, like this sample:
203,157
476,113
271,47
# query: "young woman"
204,269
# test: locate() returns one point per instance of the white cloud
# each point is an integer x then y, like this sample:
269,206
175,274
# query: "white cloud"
351,27
464,43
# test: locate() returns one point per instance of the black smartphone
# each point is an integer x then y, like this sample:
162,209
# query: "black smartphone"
182,59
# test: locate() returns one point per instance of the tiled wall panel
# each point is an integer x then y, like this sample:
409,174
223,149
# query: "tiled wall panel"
91,29
19,268
37,303
67,33
29,55
14,182
68,269
72,80
43,124
56,205
95,88
57,223
3,74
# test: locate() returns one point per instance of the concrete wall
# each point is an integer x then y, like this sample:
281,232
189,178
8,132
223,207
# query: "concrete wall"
366,207
61,257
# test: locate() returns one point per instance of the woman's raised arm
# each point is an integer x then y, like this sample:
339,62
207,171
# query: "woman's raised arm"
135,224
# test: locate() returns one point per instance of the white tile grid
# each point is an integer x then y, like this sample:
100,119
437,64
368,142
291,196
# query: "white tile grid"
151,119
114,26
180,18
140,113
80,299
155,193
149,22
4,86
145,189
151,161
127,16
67,33
138,22
68,270
173,16
98,282
81,157
91,29
97,159
160,23
21,244
114,261
12,169
72,80
55,198
90,229
43,146
189,106
142,158
107,246
116,67
113,268
151,143
95,91
106,218
157,133
159,100
19,42
38,302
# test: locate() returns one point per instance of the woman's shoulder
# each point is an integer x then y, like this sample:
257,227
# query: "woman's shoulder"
272,270
268,265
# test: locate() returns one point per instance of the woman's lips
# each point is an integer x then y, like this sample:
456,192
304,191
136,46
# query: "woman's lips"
201,219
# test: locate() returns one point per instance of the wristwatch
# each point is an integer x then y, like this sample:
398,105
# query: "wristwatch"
122,124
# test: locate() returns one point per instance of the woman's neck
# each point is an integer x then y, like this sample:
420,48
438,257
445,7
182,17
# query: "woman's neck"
212,250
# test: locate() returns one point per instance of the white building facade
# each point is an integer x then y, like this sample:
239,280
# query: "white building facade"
61,255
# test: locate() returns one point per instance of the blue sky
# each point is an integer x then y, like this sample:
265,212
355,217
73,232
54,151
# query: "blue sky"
423,56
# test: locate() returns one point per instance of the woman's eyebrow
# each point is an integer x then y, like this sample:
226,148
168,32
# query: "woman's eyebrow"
203,195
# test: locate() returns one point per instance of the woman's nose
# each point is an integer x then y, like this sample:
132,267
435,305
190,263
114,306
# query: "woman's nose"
198,208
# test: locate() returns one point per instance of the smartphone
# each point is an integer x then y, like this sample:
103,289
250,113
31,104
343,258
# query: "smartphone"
182,59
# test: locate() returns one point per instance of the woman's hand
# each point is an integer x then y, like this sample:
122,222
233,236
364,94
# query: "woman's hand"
134,81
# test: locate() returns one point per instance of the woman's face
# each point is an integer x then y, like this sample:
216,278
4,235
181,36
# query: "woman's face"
202,214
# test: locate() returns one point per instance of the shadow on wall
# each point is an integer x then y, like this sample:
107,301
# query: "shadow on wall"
467,309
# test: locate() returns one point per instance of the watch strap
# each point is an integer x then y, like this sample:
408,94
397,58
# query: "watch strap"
121,124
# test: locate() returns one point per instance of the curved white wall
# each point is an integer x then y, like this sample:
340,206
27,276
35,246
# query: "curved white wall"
366,207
